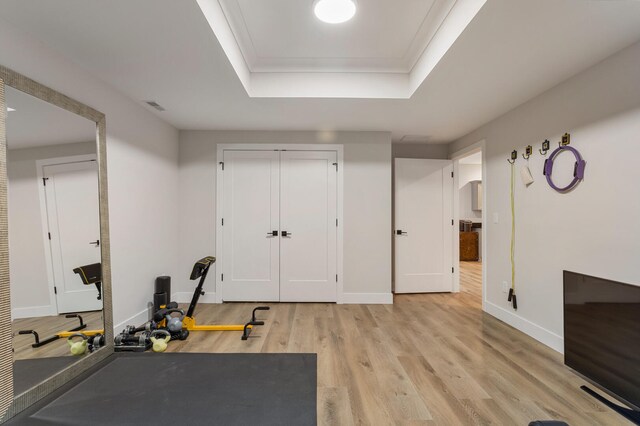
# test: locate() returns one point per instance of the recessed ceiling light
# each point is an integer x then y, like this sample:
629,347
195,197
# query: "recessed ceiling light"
334,11
10,109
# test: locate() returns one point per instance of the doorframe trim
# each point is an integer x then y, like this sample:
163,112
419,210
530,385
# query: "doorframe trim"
480,146
337,148
44,221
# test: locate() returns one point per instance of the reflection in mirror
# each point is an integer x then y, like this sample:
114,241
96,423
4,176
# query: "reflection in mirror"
54,238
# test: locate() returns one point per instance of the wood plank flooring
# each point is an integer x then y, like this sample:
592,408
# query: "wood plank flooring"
45,327
432,359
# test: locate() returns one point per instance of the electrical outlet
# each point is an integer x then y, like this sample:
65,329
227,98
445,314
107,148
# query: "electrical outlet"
505,286
496,218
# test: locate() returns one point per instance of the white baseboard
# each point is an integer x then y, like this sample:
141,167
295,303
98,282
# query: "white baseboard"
185,297
542,335
33,311
367,298
347,298
137,319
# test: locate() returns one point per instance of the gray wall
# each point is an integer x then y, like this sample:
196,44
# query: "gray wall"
584,230
367,201
142,157
421,150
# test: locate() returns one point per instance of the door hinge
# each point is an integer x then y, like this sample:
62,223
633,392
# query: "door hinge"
451,222
55,290
336,164
44,181
451,174
336,277
336,222
221,277
222,164
223,221
49,234
452,270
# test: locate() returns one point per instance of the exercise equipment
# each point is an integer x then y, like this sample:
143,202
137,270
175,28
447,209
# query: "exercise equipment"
578,168
91,274
200,270
95,342
512,291
78,347
165,320
63,334
171,323
87,344
162,294
160,344
132,342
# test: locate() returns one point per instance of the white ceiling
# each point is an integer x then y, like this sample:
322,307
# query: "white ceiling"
285,35
38,123
165,50
279,49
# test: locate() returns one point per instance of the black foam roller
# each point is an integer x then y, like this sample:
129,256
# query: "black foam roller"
163,285
160,299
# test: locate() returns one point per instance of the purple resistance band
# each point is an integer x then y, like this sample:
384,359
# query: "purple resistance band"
578,171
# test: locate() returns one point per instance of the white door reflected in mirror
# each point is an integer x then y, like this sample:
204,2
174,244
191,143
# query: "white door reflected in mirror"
71,198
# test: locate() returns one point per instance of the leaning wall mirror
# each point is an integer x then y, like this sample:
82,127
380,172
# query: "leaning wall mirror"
54,253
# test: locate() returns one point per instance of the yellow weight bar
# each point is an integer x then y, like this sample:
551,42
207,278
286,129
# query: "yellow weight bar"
189,323
65,334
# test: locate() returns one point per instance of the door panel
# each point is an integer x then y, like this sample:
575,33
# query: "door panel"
74,223
251,213
308,214
423,212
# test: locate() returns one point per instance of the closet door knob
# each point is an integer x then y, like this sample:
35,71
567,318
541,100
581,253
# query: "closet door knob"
272,234
286,234
400,232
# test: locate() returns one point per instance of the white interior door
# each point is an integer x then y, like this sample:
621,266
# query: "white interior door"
308,215
73,216
424,231
251,212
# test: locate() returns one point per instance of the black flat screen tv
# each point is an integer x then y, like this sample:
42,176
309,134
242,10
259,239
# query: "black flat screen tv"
602,334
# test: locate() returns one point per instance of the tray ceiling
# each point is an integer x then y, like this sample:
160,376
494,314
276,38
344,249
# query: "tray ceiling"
279,48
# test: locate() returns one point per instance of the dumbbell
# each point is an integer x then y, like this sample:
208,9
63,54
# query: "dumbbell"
96,342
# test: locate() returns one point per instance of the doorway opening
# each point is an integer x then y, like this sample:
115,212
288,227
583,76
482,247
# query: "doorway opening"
469,216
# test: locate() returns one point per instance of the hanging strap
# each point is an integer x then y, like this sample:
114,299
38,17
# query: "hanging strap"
512,292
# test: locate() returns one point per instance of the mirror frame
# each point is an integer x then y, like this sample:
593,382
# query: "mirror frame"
10,405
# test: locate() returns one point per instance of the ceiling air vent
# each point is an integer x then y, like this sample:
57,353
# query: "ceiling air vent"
155,105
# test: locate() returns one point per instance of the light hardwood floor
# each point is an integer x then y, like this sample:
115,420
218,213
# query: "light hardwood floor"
433,359
45,327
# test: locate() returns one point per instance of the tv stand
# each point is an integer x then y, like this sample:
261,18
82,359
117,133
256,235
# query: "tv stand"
628,413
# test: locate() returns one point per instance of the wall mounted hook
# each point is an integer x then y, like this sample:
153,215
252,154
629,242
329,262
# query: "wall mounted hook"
546,145
566,140
514,157
528,151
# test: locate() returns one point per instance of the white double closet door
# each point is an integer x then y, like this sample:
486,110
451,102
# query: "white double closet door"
279,226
